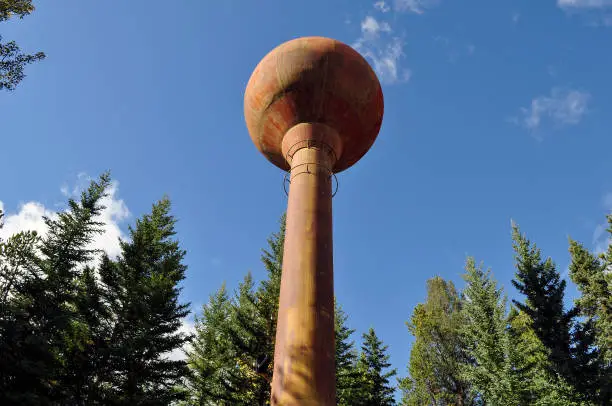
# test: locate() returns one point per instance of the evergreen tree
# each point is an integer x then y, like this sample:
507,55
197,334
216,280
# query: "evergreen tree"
142,289
234,365
569,342
249,330
12,59
214,374
490,372
438,353
373,365
602,285
539,385
593,334
544,290
39,321
346,361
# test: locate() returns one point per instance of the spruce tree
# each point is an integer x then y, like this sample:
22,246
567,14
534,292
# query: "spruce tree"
375,388
142,290
593,334
249,329
569,342
490,372
214,377
347,376
40,324
438,352
539,384
541,284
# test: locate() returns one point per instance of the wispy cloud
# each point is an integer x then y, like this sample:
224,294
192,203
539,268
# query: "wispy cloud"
382,6
578,4
383,49
594,13
415,6
562,107
601,237
370,27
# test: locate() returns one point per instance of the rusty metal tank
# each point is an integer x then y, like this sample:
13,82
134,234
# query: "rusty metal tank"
312,106
314,79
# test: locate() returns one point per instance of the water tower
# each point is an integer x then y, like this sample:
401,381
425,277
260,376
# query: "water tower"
313,107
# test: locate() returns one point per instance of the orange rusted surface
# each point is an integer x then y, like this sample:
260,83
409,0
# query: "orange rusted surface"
304,372
314,79
313,106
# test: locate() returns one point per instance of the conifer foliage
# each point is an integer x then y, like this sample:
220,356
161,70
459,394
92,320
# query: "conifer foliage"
76,332
12,60
232,356
536,353
374,374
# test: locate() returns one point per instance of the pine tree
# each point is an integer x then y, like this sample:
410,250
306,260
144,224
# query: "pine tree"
544,291
12,60
40,324
540,385
253,343
142,290
346,361
373,365
438,352
490,372
250,331
604,313
214,377
593,334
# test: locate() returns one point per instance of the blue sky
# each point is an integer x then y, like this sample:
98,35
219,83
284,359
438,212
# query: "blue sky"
494,111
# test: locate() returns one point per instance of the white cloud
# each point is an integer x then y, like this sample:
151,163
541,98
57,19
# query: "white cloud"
382,6
594,13
601,236
187,327
516,17
415,6
371,27
383,50
561,107
567,4
29,217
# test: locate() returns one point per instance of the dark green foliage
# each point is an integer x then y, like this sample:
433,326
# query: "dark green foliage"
536,384
593,333
74,335
211,356
141,288
232,356
39,322
375,388
12,60
509,364
242,346
347,375
538,280
20,8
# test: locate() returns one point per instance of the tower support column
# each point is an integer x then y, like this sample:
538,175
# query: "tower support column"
304,357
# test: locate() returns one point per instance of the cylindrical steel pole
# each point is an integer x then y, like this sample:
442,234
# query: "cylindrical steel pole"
304,372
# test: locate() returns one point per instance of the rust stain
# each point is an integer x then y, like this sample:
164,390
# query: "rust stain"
313,106
313,74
